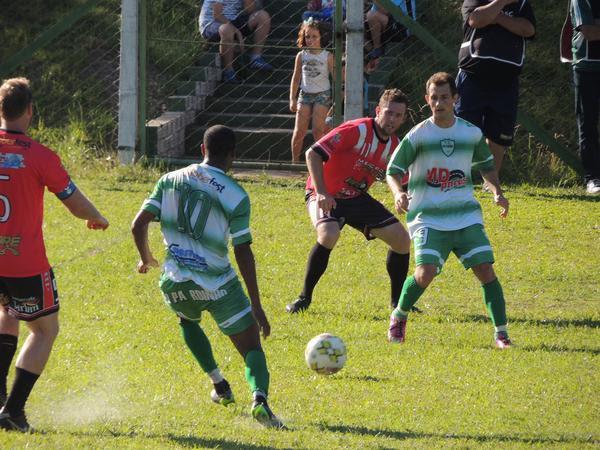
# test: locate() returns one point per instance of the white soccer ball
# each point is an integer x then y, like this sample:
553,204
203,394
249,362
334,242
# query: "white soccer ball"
325,354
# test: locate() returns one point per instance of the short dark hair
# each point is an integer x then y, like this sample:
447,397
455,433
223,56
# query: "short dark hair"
15,97
441,78
219,141
393,96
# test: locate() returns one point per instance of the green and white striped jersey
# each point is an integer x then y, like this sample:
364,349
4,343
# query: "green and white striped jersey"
439,162
200,208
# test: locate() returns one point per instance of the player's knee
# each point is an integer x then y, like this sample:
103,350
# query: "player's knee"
328,236
485,273
425,274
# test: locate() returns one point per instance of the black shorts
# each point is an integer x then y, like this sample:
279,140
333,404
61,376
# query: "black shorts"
363,213
29,298
491,108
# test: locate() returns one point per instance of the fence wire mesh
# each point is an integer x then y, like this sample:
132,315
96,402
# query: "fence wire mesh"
187,92
75,78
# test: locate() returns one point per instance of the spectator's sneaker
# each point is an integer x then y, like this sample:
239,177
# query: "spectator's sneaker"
230,77
222,394
593,186
259,63
14,423
397,330
300,304
503,341
263,414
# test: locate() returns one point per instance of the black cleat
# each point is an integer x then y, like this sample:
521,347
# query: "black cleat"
14,423
222,394
300,304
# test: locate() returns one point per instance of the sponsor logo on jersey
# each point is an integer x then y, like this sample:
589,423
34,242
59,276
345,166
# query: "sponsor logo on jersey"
447,146
11,141
337,138
10,244
445,179
212,181
359,185
188,258
374,170
11,161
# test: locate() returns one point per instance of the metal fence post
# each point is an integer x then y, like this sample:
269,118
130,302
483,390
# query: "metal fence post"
128,82
353,94
143,59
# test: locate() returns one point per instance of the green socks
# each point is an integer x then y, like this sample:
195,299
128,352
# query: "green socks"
494,302
198,344
257,373
411,292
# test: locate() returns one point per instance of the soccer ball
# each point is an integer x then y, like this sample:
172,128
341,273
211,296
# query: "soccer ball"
325,354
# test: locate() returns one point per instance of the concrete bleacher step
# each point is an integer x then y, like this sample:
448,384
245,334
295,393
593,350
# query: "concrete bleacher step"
247,120
271,144
250,90
248,105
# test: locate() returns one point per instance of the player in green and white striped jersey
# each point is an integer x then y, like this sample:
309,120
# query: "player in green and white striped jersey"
200,208
442,214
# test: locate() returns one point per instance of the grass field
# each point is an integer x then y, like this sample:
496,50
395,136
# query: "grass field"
120,376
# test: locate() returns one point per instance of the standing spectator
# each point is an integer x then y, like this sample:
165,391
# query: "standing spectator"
585,19
27,285
226,21
383,28
490,60
311,73
342,166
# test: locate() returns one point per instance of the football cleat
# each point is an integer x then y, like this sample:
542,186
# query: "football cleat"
14,423
222,394
263,414
503,341
397,330
300,304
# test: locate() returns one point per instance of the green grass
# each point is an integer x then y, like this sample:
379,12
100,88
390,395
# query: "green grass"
120,376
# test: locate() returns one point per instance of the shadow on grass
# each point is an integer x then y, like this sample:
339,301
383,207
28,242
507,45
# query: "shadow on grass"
402,435
559,349
559,323
563,196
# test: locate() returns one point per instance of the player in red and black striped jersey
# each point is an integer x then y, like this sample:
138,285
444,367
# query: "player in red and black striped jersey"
342,166
27,285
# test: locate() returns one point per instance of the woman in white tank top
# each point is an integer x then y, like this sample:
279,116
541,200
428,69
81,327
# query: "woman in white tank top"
312,69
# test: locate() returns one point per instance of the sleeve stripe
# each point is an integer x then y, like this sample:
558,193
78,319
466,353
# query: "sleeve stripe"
240,233
67,192
152,202
491,158
395,167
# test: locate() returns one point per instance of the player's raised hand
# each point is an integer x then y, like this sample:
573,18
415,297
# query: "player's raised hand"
99,223
261,319
401,200
326,202
502,202
144,267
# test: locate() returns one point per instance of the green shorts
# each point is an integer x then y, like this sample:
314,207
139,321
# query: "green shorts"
228,305
471,246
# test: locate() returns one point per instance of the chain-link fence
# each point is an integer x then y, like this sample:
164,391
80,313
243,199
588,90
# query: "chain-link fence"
189,94
71,56
75,73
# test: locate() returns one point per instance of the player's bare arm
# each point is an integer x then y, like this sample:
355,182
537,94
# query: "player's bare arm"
314,163
487,15
81,207
491,178
400,197
139,229
245,260
516,25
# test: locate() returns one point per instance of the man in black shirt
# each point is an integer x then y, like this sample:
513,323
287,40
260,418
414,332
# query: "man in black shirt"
490,60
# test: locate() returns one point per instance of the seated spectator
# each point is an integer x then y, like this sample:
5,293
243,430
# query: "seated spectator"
322,10
226,21
383,28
